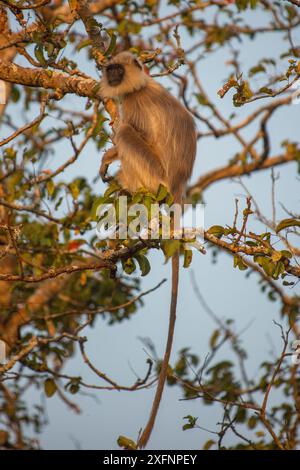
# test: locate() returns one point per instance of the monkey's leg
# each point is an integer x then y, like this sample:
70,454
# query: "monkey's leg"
110,156
141,166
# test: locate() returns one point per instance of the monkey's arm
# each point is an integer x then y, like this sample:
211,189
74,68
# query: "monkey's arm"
110,156
138,152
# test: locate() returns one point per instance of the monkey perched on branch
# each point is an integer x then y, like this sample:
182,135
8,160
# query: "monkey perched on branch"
155,141
156,138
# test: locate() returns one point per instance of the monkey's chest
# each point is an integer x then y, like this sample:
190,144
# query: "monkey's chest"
145,122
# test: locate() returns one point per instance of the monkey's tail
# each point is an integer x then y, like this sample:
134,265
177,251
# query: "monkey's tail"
142,442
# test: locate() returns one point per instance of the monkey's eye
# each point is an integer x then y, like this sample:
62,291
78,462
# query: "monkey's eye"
136,62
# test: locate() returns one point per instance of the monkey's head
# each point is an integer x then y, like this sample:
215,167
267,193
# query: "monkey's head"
123,75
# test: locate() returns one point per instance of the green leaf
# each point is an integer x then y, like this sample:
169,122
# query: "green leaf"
241,415
49,48
83,43
50,187
112,45
252,422
74,388
256,69
74,385
208,444
74,190
286,254
137,197
267,265
148,201
10,153
169,199
161,193
191,422
99,201
285,223
286,283
144,264
187,426
279,269
170,247
15,94
214,338
244,93
188,256
50,387
216,230
39,54
202,99
126,443
238,262
99,126
128,265
266,90
113,187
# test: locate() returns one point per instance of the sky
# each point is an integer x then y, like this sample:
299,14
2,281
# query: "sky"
118,350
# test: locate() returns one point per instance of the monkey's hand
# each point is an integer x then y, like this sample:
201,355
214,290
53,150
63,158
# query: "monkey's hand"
103,171
109,156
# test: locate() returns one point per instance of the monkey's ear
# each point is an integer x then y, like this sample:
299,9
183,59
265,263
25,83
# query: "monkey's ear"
136,62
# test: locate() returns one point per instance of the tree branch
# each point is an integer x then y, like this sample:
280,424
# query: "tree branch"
48,79
230,171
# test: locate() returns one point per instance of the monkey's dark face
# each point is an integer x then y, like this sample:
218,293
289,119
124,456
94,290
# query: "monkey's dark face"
115,74
123,75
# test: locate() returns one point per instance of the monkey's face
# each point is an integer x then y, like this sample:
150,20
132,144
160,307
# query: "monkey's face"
115,74
123,75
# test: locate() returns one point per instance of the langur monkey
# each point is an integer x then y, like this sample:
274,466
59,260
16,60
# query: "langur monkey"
155,141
